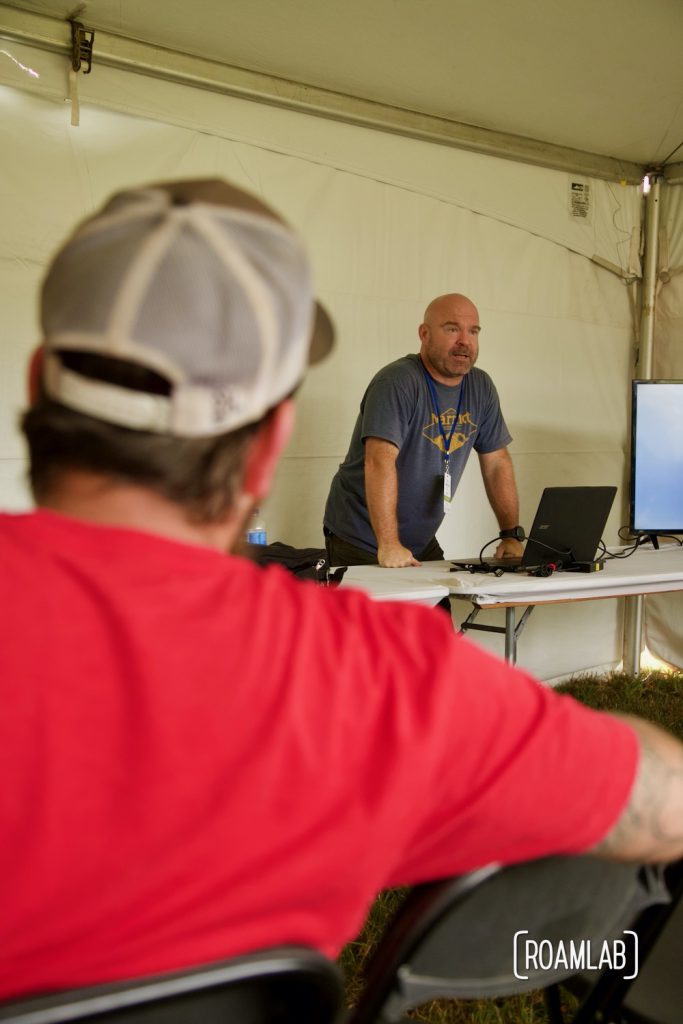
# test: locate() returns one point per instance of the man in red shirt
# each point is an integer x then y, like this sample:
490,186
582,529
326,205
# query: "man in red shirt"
201,757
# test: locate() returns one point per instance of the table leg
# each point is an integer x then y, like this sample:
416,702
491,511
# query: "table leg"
633,633
510,636
511,629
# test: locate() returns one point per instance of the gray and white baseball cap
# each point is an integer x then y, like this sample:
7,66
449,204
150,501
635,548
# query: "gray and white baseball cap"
195,280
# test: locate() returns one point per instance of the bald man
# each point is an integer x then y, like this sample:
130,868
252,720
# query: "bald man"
419,419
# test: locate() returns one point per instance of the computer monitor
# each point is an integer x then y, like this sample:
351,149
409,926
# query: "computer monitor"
656,491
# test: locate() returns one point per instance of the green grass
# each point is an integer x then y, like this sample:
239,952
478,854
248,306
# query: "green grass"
657,696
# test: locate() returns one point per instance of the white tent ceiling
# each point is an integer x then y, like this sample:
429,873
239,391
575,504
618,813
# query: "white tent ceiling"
599,77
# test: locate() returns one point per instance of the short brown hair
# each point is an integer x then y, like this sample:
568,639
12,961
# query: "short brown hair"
200,474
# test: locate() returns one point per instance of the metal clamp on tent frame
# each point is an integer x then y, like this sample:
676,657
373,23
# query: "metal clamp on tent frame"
81,47
511,629
81,60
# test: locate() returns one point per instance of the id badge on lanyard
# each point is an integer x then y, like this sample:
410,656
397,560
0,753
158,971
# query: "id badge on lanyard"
447,488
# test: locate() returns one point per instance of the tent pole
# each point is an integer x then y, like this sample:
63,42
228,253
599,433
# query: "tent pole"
633,617
649,294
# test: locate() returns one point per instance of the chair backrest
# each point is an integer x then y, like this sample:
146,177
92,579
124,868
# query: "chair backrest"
288,985
502,931
655,995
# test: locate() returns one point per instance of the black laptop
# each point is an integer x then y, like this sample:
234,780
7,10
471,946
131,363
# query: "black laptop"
566,532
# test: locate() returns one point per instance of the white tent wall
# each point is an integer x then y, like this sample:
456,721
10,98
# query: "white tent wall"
664,612
390,222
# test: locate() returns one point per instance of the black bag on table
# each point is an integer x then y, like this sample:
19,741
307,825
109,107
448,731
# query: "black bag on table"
306,563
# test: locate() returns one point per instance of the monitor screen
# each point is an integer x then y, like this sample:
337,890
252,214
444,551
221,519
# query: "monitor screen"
657,457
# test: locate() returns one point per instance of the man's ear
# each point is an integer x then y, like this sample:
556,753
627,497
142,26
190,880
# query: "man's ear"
423,332
35,370
265,449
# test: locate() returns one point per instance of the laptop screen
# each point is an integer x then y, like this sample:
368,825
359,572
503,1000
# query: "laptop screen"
568,525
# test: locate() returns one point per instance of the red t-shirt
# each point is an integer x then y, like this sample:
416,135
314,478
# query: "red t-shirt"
200,757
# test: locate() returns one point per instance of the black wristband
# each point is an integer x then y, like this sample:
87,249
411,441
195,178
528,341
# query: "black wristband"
514,532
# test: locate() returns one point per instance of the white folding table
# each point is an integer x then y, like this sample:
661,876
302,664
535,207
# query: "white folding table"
393,585
646,571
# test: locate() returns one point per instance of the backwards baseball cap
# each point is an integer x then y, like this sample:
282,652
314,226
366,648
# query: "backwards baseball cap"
197,281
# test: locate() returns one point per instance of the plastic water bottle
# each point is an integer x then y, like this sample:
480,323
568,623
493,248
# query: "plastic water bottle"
256,531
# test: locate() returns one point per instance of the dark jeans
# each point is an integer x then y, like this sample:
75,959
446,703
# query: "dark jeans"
340,552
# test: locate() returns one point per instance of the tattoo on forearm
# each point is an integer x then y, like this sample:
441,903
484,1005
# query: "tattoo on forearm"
653,817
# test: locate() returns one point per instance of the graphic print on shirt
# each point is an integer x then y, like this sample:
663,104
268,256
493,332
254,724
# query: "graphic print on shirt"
464,430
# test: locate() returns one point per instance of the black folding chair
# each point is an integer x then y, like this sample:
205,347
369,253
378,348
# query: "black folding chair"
288,985
503,931
655,995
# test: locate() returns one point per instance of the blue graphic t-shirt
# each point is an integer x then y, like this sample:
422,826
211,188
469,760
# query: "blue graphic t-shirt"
397,407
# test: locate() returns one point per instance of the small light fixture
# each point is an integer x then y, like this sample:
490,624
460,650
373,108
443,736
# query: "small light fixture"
646,184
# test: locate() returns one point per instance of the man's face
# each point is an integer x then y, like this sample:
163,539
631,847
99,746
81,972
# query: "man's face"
450,338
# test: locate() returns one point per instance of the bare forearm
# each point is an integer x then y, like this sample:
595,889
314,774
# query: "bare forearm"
651,826
381,496
501,490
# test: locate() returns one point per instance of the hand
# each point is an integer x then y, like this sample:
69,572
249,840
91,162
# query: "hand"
395,556
509,548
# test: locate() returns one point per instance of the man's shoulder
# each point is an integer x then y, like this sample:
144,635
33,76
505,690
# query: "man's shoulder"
480,379
404,370
481,387
15,526
392,630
